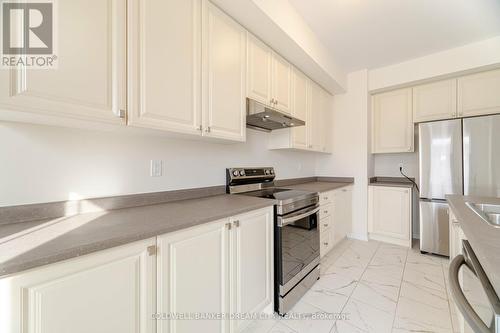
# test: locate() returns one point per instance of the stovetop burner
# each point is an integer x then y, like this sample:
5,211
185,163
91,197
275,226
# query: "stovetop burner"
279,194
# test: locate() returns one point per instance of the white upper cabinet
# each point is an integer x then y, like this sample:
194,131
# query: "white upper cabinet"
224,75
435,101
259,65
300,109
110,291
315,118
269,76
90,80
165,65
392,122
281,83
479,94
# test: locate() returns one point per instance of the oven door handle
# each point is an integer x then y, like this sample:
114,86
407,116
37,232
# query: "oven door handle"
283,221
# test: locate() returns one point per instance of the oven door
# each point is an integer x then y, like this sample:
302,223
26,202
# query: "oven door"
297,246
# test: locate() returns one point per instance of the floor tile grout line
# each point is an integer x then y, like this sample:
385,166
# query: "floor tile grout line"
341,252
448,298
357,282
399,290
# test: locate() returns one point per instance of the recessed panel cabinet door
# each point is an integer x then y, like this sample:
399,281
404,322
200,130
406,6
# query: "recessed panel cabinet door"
392,122
281,83
389,213
259,61
89,82
435,101
193,277
479,94
111,291
224,79
165,65
300,109
316,129
252,249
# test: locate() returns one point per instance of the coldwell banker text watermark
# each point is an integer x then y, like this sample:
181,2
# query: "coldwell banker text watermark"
28,34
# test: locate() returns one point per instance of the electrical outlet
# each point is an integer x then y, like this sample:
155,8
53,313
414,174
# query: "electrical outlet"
156,168
401,166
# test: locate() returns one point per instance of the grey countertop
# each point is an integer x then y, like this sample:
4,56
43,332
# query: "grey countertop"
318,186
31,244
390,181
484,239
26,245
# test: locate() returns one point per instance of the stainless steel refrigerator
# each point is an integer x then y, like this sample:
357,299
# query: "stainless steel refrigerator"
456,156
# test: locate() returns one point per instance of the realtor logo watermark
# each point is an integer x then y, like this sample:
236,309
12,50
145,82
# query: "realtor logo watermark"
28,34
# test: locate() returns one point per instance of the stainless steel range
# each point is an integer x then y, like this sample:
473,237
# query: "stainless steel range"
296,232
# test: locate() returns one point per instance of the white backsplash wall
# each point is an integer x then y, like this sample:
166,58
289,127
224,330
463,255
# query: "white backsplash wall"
43,163
387,165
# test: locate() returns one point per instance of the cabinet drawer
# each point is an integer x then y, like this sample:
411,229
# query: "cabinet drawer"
326,210
325,223
325,198
325,240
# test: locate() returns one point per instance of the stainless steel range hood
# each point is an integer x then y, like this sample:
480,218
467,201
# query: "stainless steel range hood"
265,118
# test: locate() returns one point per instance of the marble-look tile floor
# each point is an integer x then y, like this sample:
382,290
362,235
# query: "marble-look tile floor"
376,287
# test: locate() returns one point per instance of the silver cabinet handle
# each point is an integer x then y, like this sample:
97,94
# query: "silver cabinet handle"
207,129
200,128
151,250
236,223
326,244
325,212
228,226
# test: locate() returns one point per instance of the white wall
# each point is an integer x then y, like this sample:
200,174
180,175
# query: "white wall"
43,163
387,165
350,142
451,62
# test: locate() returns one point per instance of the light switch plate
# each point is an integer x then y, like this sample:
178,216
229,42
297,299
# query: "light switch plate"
156,168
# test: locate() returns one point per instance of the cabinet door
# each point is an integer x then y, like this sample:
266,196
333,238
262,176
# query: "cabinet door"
111,291
435,101
89,82
326,121
224,68
342,214
300,109
479,94
165,65
252,260
326,237
281,83
193,275
390,214
392,124
259,59
315,117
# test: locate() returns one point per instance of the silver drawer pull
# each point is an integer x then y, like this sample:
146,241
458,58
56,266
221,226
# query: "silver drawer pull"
326,244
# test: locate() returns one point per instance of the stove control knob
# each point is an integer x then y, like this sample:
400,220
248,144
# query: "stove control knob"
272,171
235,173
242,172
268,172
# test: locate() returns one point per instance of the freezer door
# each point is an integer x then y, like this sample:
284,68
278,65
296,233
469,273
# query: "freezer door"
440,146
482,156
434,227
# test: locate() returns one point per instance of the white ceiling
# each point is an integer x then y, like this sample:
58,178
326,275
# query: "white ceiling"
373,33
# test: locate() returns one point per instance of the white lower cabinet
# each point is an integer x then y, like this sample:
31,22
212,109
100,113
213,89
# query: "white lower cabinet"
389,214
335,217
111,291
222,267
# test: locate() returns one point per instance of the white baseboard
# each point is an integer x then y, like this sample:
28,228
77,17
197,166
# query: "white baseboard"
362,237
390,240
